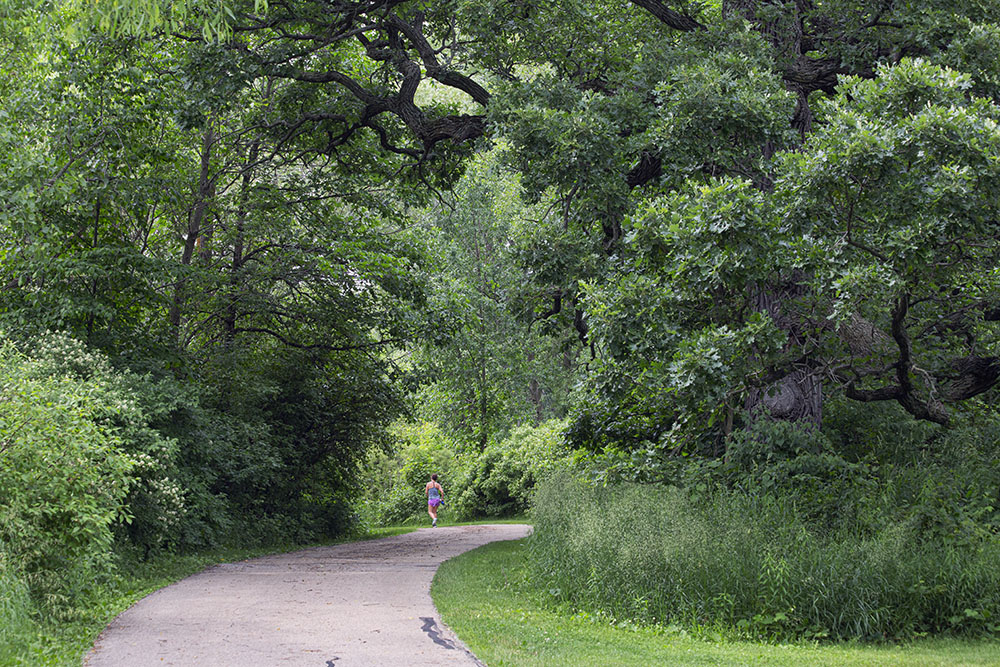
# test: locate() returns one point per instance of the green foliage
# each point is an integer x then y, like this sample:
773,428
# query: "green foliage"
15,610
489,370
500,481
393,484
754,562
877,499
64,472
253,306
155,503
497,482
270,448
886,209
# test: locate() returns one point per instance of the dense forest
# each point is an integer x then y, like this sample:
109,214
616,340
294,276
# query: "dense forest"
725,269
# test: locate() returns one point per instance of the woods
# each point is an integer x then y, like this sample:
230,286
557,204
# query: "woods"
265,260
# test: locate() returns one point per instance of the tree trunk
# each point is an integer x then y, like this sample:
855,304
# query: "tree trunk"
236,265
95,241
203,194
797,395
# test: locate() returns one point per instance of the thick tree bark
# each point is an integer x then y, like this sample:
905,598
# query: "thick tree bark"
798,394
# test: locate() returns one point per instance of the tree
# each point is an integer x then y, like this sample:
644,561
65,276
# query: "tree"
611,105
887,212
615,127
159,208
491,370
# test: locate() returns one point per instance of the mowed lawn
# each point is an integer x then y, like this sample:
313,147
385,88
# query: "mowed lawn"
481,595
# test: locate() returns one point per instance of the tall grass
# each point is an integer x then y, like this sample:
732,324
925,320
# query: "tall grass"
15,613
658,555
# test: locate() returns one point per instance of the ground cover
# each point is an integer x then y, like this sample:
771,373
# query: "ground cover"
484,596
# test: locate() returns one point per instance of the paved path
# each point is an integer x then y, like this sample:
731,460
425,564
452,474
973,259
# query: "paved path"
364,603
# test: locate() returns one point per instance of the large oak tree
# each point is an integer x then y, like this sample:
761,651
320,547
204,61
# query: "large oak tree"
612,106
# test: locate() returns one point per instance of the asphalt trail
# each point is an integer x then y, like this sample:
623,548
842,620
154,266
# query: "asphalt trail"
350,605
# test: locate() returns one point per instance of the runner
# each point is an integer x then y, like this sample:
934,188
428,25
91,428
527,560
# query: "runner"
434,493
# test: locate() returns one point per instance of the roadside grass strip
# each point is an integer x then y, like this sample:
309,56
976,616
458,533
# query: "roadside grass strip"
485,598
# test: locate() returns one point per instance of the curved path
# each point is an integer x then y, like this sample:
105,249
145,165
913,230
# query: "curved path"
363,603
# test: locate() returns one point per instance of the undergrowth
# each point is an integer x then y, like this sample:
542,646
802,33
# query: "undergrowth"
753,562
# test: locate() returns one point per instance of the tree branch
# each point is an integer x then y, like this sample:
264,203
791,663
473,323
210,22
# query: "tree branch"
319,346
675,20
448,77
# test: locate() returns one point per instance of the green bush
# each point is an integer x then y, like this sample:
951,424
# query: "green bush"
155,503
783,459
755,562
879,433
500,480
64,476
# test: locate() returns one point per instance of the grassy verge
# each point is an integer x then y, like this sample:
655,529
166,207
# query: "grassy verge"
484,597
53,643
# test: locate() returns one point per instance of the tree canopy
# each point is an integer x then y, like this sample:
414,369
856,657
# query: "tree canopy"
748,206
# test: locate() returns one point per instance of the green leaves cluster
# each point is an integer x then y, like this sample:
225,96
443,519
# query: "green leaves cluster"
497,482
77,462
489,371
895,196
244,279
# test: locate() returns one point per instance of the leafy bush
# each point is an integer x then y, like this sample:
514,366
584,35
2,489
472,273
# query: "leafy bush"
500,481
63,475
155,501
780,458
754,562
881,433
496,482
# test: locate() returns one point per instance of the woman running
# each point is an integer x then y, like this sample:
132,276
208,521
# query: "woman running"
434,493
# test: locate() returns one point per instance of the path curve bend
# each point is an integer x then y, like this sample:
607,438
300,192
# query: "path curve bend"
358,604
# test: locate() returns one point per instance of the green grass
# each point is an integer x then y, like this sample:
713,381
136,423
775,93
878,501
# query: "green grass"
485,598
54,643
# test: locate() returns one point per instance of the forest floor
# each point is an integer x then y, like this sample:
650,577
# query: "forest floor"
361,603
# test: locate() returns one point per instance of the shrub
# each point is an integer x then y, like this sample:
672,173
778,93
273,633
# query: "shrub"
500,480
155,501
783,459
393,486
879,433
63,474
